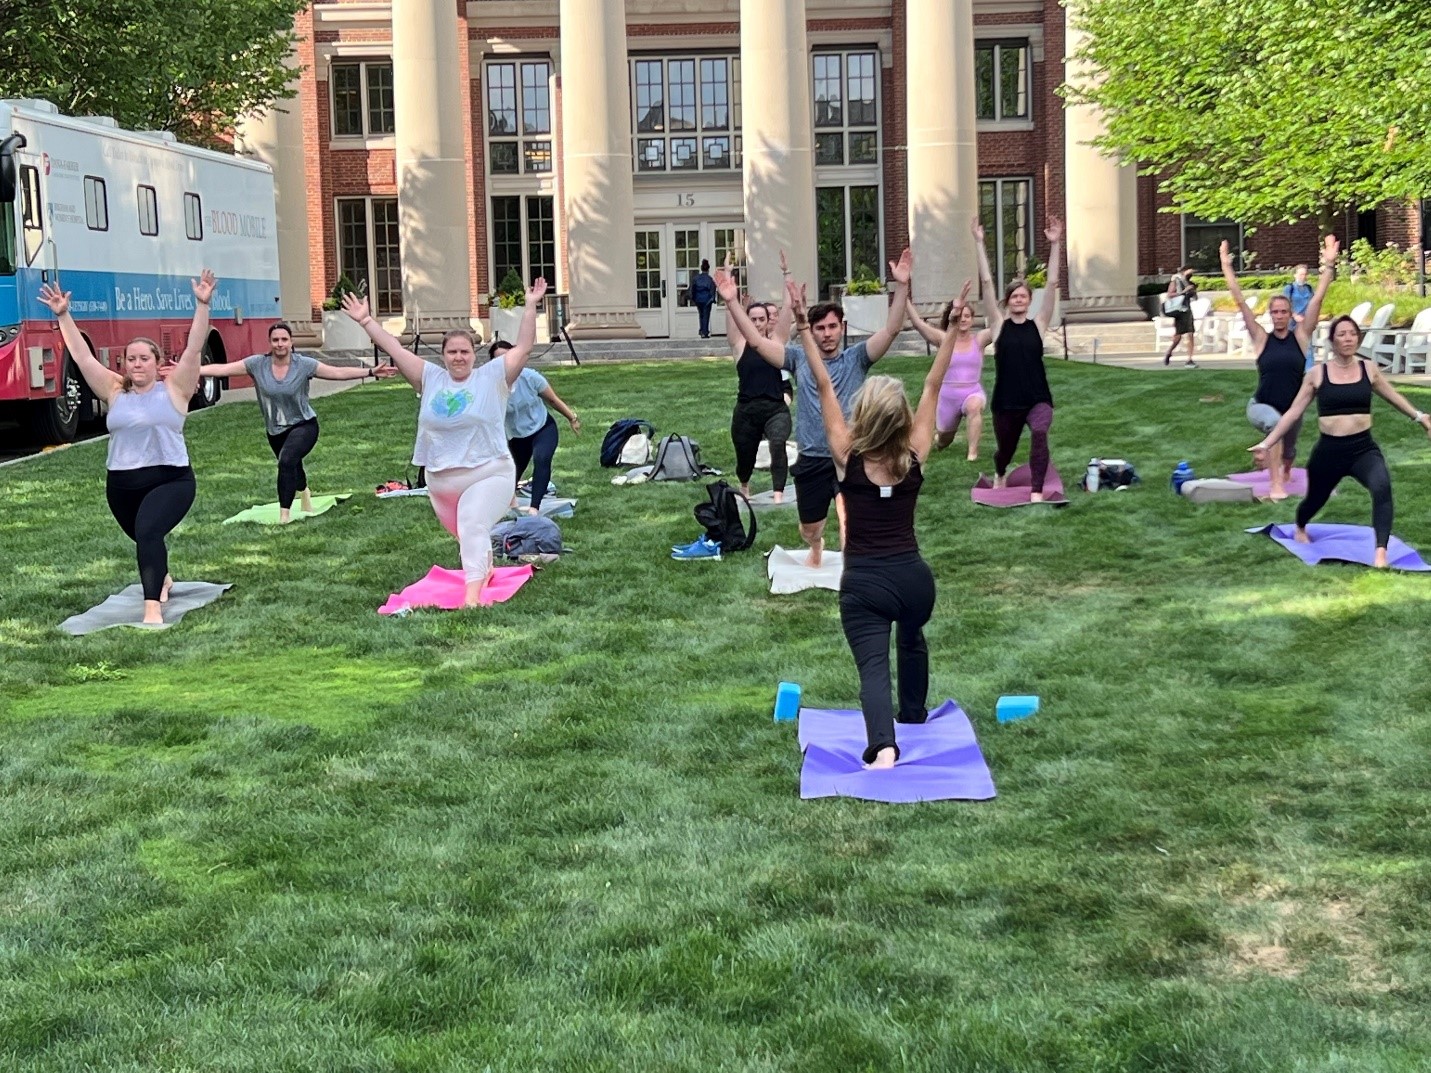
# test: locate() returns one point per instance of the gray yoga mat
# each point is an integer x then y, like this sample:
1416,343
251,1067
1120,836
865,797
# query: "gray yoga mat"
126,608
767,498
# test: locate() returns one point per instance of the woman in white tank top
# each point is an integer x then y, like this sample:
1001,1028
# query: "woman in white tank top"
150,485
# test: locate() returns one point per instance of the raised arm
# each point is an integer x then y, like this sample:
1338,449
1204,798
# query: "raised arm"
184,380
922,438
785,319
1383,387
931,335
836,430
877,345
562,408
1054,234
1331,248
1294,412
1255,331
993,312
515,357
768,349
408,363
104,382
734,339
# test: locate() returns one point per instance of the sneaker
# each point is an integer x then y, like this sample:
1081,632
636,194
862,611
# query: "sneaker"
701,549
1190,365
687,547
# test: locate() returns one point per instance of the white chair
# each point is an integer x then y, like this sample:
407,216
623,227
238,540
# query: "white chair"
1361,313
1321,343
1162,333
1207,327
1238,341
1379,342
1414,346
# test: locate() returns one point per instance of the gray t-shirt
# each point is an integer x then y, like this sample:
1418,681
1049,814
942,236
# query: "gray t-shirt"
847,373
284,402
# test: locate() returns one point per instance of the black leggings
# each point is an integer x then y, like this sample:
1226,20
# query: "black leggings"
875,594
760,419
539,448
291,447
147,503
1358,457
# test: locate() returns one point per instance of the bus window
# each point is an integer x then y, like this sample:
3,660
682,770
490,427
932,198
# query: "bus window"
7,240
32,212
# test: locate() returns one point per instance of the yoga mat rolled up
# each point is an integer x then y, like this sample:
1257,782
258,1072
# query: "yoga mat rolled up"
1261,483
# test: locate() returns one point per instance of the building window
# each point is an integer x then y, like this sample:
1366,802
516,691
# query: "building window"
729,245
193,217
32,220
362,93
1202,239
96,204
687,113
1006,211
148,210
1001,79
846,108
368,250
847,234
523,239
519,117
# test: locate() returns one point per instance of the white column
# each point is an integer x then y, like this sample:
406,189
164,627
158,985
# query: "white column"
431,164
1102,207
596,167
275,136
778,132
943,154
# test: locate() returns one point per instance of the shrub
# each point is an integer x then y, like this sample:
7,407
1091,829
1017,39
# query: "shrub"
510,293
343,287
864,283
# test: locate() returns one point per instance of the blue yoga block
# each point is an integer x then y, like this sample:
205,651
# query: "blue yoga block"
787,702
1011,708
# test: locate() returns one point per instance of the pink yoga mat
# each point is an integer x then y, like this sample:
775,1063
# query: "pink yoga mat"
1018,490
1262,484
447,589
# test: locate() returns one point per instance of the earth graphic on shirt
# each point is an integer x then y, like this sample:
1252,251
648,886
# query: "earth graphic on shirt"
449,404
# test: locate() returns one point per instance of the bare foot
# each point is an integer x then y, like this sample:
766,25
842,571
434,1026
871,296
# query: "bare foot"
817,550
474,593
1301,537
164,592
284,516
1380,561
531,510
1000,480
1035,497
153,613
973,455
778,497
883,761
1277,494
307,502
745,490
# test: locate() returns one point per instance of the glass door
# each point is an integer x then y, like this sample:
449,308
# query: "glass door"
651,290
686,248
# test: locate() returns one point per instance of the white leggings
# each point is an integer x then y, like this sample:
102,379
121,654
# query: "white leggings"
468,502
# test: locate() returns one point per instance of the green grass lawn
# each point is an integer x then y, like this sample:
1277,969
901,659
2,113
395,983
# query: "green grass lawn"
564,834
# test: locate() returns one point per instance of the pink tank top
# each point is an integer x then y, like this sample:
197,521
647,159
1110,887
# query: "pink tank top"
965,365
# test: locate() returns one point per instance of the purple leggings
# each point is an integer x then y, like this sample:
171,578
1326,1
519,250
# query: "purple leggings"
1009,429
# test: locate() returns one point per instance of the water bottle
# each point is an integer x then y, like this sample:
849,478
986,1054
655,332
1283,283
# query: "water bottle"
1183,473
1091,481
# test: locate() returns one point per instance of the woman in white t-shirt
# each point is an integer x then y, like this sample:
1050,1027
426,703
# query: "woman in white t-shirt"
461,429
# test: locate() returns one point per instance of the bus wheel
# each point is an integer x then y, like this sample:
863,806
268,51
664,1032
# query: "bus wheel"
209,390
57,420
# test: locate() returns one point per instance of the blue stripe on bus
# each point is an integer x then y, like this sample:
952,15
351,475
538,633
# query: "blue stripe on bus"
132,296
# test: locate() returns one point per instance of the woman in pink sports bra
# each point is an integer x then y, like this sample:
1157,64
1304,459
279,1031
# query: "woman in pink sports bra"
962,395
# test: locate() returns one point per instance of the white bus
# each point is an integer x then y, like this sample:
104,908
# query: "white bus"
123,219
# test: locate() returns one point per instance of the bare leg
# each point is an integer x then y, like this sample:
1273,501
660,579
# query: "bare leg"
1192,346
164,592
1274,472
840,514
974,408
745,489
813,534
307,501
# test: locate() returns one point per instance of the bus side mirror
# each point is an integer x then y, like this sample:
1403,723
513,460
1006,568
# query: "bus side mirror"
7,167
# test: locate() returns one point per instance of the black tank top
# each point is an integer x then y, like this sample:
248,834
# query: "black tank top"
1280,370
1020,381
876,523
1338,400
757,378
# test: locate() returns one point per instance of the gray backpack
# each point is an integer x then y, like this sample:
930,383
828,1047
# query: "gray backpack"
678,458
527,539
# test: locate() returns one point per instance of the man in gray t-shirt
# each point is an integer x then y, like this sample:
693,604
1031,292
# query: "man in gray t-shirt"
816,485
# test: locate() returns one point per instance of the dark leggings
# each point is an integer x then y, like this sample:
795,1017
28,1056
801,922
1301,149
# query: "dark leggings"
539,449
875,594
147,503
1358,457
291,447
755,420
1009,429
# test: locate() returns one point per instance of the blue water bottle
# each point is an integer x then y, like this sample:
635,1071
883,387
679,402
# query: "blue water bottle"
1184,472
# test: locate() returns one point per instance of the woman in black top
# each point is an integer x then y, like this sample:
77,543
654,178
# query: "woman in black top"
1343,388
1021,393
761,410
1281,361
1181,286
878,459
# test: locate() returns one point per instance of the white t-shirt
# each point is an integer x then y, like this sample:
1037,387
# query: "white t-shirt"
461,423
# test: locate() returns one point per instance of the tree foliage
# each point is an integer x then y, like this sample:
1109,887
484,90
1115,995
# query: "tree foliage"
1264,110
191,68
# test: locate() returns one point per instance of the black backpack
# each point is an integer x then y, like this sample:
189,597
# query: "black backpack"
720,514
618,434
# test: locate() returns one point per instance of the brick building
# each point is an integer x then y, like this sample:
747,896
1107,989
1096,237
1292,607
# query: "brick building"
610,146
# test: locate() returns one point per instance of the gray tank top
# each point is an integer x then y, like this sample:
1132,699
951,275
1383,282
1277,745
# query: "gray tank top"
284,402
146,429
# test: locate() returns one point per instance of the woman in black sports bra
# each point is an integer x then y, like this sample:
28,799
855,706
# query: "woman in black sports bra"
878,459
1343,388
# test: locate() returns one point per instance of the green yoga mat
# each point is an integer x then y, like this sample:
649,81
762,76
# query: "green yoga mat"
267,514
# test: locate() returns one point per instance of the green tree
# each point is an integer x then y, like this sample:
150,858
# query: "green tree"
1264,110
191,68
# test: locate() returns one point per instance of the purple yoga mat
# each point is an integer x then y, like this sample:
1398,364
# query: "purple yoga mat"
1262,484
1017,492
939,760
1343,544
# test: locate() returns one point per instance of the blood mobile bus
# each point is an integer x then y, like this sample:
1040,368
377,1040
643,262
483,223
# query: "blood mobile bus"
123,220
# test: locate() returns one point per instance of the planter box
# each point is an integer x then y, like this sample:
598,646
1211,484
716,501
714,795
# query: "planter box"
505,324
866,314
341,332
